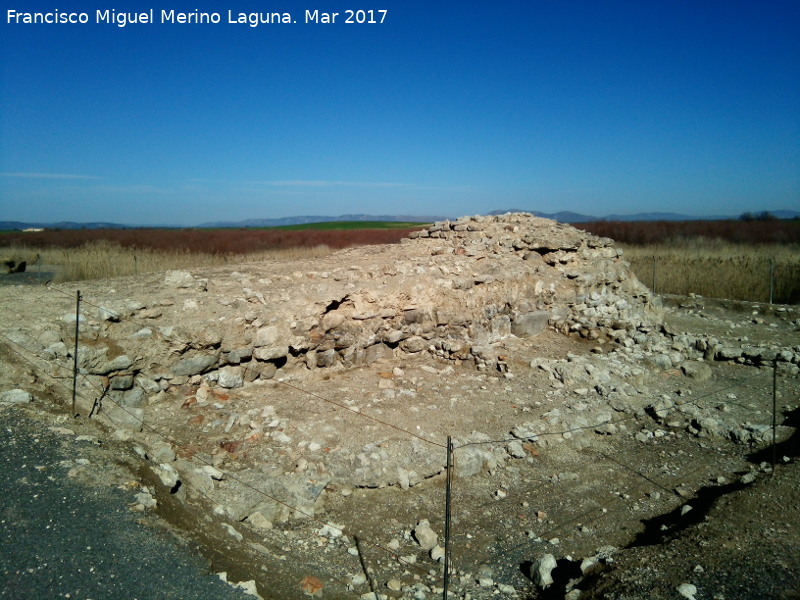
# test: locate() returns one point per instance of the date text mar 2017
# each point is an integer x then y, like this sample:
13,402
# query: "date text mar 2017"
350,16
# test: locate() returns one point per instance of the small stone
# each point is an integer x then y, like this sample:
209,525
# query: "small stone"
506,589
232,532
231,377
588,564
249,588
145,500
687,590
61,430
331,531
696,370
167,474
213,472
425,536
394,584
542,571
16,396
311,586
259,521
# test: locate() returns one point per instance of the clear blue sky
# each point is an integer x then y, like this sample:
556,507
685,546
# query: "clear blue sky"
446,108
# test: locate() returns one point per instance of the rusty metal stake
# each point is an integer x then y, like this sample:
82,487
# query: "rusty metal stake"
75,362
774,414
448,497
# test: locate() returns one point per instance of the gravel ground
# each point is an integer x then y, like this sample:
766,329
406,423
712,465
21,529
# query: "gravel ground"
64,537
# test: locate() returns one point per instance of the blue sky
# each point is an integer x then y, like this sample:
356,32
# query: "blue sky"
443,109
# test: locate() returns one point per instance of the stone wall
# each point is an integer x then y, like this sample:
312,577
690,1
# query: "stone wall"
453,290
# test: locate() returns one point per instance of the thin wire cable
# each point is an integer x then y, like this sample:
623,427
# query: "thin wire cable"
634,416
318,396
360,414
233,477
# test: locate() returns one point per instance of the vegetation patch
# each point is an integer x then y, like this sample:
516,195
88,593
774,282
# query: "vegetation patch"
349,225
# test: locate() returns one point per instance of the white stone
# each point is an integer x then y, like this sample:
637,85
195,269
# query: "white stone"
331,531
687,590
232,532
259,521
167,474
16,396
213,472
543,569
425,536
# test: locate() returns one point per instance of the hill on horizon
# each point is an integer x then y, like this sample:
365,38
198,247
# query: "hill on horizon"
562,217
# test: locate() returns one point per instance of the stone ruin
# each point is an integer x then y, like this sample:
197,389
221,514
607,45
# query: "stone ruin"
453,290
190,367
451,294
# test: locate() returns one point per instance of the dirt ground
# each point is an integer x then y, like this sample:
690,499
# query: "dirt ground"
663,511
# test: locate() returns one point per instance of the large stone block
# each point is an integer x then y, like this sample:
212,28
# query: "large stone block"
194,365
16,396
273,353
267,336
530,324
376,352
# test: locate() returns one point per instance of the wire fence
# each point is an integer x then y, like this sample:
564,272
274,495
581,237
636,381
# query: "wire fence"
547,512
740,277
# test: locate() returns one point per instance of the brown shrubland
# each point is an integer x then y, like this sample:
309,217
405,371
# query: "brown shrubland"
719,269
668,232
80,254
719,259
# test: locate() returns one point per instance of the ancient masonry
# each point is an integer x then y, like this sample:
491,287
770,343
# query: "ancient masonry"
162,356
459,287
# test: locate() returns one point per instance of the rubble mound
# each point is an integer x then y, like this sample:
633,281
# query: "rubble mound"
260,400
202,355
452,290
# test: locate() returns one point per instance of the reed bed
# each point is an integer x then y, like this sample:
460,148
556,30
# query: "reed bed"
719,269
80,254
711,267
103,259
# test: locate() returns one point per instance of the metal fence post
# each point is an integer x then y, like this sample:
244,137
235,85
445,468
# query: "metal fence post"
774,414
448,497
75,362
771,279
654,275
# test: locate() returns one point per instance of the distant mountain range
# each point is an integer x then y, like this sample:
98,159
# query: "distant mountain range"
19,225
563,217
320,219
572,217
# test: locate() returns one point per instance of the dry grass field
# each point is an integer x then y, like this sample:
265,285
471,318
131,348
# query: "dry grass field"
103,260
719,269
718,259
74,255
736,260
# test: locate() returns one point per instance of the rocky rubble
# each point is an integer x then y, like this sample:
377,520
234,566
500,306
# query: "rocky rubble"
466,285
235,387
